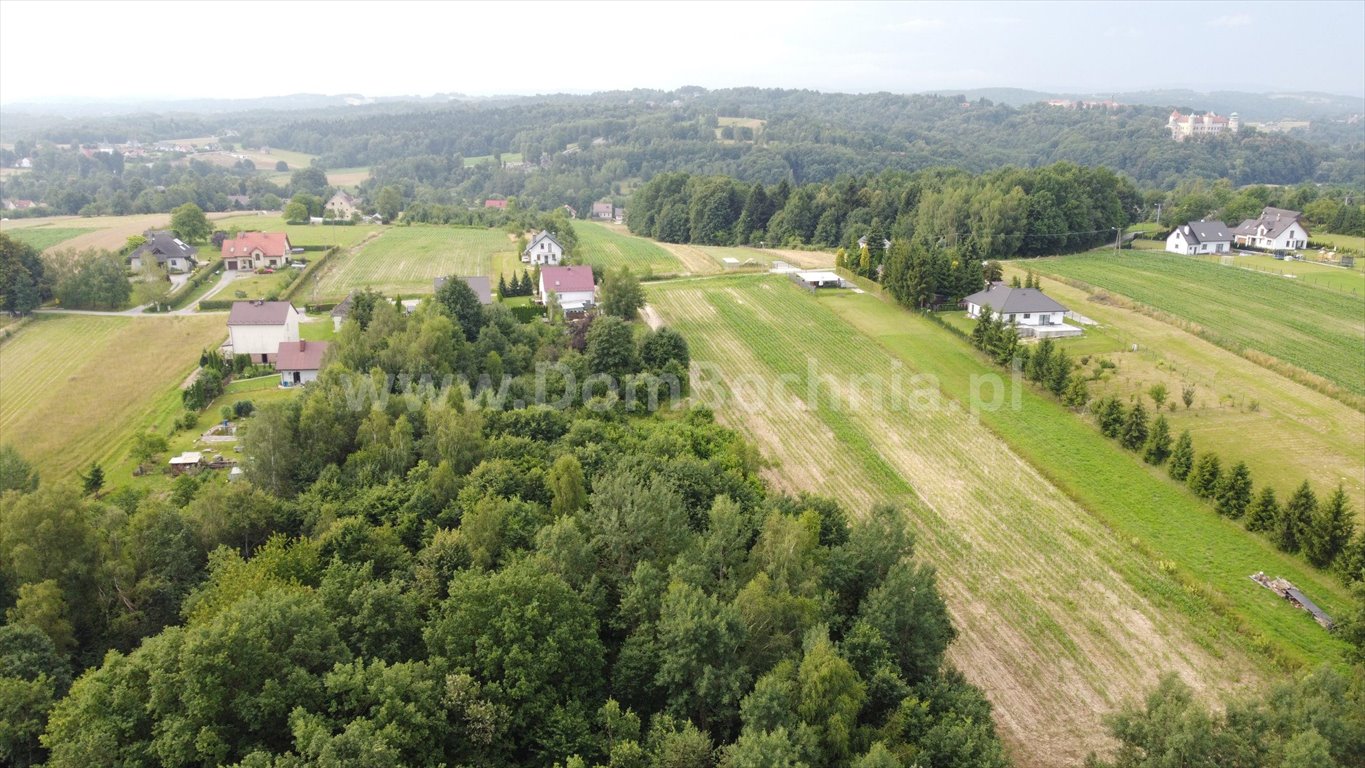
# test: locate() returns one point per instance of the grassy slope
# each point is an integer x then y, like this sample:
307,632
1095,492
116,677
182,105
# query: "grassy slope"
76,388
1135,500
43,238
1314,437
1322,332
404,260
1061,618
601,246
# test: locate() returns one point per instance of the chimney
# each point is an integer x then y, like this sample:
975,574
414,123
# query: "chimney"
303,344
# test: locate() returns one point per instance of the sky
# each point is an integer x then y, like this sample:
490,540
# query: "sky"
70,51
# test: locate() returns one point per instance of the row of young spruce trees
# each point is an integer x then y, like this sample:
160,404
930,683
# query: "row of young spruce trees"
1322,531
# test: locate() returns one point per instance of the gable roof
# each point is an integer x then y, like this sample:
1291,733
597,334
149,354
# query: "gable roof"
342,196
260,312
1206,232
479,283
300,355
490,203
1003,299
575,279
544,235
343,310
270,243
1277,220
163,245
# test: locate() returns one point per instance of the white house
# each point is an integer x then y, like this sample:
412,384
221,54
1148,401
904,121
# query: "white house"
167,250
343,205
1277,229
544,249
257,328
1031,310
298,362
256,250
573,286
1200,237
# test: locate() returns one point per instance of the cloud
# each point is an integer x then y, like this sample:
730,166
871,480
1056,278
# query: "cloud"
1231,20
918,24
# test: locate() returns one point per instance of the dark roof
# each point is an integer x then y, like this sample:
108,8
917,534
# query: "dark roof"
544,235
164,245
1005,300
343,309
259,312
479,283
300,355
1206,231
1247,227
1277,220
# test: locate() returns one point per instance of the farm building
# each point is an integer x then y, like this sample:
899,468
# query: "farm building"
482,287
544,249
342,311
257,328
1200,237
298,362
573,286
1034,313
818,279
189,462
1277,229
256,250
343,205
168,251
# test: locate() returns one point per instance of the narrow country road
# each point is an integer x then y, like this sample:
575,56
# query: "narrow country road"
223,281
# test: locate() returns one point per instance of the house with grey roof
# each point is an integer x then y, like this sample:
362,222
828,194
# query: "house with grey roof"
1029,309
167,250
479,283
1200,237
1277,229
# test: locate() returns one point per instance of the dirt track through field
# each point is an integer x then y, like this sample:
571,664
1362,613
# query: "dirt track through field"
1050,623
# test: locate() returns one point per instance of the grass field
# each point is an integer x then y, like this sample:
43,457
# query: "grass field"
74,389
1314,436
1353,242
507,157
1305,272
107,232
43,238
611,247
1322,332
1075,574
301,234
404,260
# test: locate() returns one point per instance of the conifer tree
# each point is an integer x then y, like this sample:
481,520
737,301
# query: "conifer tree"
1295,518
1330,531
1109,414
1134,433
1182,458
1206,475
982,330
1060,374
1158,446
502,286
1077,394
1264,512
1234,491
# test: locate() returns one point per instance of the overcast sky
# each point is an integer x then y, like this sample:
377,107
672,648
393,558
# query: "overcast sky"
65,51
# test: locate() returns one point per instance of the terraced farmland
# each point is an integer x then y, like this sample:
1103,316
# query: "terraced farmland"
1321,332
404,260
74,388
1061,615
603,246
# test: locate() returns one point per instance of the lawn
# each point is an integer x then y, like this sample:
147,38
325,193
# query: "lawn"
507,157
74,389
1075,574
404,260
1353,242
1318,331
611,247
301,234
254,286
1308,273
43,238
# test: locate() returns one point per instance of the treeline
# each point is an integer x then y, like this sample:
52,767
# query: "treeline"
409,579
1321,530
1335,209
998,215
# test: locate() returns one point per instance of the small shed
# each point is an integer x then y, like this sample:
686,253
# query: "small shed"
816,279
187,463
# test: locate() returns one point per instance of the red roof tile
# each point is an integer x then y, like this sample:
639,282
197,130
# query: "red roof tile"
300,355
566,279
270,243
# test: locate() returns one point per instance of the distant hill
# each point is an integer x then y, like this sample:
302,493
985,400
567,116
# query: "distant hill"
1302,105
291,103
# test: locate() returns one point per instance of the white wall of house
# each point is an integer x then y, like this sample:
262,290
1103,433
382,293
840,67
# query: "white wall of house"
261,342
294,378
1176,243
1294,237
546,252
1020,318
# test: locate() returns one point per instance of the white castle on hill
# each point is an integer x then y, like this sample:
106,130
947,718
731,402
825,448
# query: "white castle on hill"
1208,124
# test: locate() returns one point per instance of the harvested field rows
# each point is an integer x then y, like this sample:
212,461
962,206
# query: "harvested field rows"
610,247
1051,624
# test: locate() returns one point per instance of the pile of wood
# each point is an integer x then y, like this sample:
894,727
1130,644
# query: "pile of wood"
1291,593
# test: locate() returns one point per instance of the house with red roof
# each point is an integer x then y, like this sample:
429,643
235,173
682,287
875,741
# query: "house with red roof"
572,286
499,204
256,250
298,362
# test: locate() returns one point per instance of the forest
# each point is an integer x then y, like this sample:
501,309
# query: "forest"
577,149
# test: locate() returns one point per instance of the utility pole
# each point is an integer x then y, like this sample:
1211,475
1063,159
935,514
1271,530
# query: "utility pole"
1118,236
1158,213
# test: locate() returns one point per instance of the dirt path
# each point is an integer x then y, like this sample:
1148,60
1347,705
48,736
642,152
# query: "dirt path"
693,259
